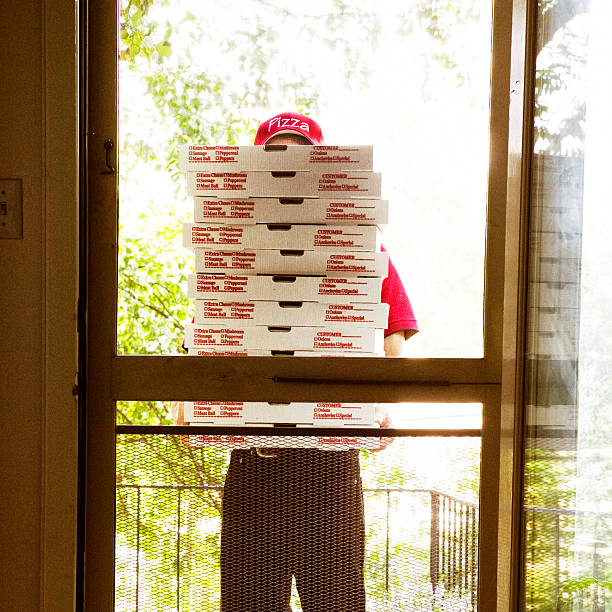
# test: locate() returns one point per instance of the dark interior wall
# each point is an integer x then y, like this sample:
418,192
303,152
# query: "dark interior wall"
21,289
37,296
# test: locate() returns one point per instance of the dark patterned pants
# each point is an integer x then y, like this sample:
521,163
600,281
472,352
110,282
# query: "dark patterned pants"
297,514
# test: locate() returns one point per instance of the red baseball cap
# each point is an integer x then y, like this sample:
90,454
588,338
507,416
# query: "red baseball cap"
295,123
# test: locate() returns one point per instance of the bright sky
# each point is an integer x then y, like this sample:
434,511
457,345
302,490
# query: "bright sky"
432,150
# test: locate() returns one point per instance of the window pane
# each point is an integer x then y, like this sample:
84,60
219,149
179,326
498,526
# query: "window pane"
402,415
436,416
410,78
420,499
567,512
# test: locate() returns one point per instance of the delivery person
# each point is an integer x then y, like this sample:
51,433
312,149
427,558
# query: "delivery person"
299,512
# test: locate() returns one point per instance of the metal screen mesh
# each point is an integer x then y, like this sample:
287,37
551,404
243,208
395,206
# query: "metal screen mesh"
294,525
567,555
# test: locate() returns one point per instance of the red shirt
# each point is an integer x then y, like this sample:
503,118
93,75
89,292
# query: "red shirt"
401,316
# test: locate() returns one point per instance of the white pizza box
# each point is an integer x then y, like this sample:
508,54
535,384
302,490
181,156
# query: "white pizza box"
240,336
336,443
295,313
337,211
215,413
275,157
364,184
323,289
319,414
282,236
292,261
211,351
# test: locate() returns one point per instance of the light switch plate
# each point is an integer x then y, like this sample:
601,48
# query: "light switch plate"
11,209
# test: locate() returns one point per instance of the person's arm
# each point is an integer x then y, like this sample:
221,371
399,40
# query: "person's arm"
402,325
394,343
177,409
393,348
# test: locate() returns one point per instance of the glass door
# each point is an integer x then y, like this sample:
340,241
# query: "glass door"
567,524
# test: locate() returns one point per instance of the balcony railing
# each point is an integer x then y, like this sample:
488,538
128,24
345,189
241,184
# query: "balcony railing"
450,571
441,575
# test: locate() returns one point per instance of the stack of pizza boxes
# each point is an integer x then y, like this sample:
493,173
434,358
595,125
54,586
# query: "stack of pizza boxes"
288,262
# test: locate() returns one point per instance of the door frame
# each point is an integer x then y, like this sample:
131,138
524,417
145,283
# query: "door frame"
495,380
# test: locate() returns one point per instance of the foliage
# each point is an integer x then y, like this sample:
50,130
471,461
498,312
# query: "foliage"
560,108
549,483
223,104
445,23
167,493
140,35
152,305
152,310
575,586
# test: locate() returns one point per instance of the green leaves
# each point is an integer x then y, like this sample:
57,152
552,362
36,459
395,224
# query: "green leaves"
138,33
152,305
164,49
450,27
580,585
